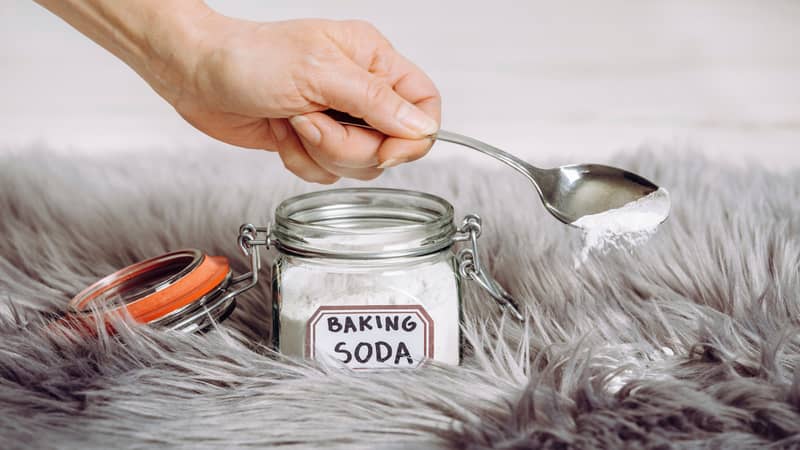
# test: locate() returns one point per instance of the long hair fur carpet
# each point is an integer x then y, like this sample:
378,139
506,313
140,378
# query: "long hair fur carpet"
690,341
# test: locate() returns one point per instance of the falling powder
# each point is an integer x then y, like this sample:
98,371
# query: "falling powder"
624,227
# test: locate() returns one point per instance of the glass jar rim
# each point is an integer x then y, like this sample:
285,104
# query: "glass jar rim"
363,223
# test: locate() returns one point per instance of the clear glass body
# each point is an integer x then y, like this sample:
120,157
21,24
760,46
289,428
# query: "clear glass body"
302,285
366,278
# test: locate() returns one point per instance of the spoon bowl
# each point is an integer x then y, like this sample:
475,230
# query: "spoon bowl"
574,191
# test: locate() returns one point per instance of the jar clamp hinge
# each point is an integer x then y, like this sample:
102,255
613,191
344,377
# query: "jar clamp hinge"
470,267
250,244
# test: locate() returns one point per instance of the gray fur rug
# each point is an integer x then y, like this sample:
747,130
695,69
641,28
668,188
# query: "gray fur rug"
690,341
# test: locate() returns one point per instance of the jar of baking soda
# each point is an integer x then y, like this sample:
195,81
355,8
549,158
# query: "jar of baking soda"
370,278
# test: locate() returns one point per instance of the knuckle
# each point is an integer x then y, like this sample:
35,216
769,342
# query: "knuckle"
381,63
336,156
362,26
292,163
305,170
336,152
377,92
314,69
293,101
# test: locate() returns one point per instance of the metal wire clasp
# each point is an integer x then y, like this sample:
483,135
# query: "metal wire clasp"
470,267
250,244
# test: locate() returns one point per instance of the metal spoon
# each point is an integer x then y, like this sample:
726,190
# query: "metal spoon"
568,192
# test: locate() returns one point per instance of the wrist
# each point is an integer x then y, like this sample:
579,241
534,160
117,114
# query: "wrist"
174,45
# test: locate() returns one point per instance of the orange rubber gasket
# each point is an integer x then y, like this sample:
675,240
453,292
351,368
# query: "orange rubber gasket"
209,274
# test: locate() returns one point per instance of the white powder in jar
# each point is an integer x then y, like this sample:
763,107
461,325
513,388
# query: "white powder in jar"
628,226
432,285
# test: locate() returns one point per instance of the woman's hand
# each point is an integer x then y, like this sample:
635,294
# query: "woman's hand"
262,85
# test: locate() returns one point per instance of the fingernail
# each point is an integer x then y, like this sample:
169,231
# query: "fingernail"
306,129
416,120
391,162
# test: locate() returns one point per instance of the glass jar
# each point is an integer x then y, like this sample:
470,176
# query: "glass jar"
368,277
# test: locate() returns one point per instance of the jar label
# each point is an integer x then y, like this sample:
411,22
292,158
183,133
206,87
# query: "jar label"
370,336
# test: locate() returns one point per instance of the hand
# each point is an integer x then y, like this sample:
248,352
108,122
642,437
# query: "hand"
262,85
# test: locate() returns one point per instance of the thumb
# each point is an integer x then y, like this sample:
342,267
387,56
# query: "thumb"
359,93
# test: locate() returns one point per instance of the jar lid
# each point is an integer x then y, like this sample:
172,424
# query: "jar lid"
364,223
181,290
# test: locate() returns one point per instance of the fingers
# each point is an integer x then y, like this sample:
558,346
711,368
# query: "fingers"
351,151
363,44
295,157
347,152
370,80
349,147
415,86
388,91
354,90
396,151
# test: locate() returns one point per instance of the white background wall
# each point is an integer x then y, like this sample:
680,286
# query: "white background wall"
563,81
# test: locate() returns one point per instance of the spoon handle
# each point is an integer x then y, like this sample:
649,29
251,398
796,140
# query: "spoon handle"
455,138
505,157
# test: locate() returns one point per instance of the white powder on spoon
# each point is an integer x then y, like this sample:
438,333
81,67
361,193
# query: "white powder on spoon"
624,227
